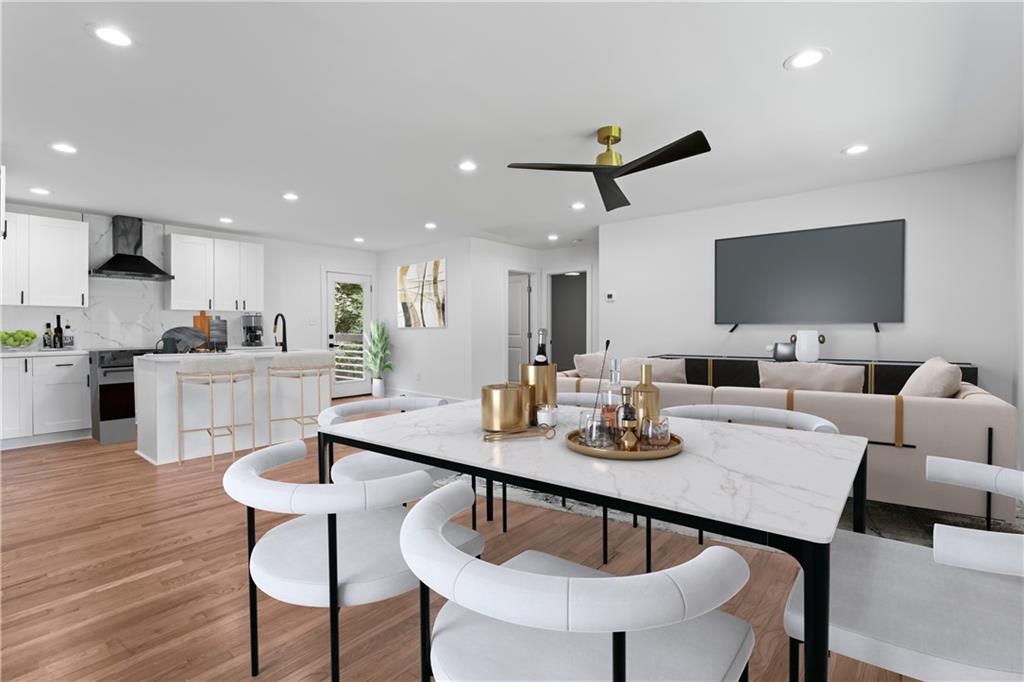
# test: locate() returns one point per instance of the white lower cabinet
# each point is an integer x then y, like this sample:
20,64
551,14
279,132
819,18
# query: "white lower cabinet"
16,397
60,394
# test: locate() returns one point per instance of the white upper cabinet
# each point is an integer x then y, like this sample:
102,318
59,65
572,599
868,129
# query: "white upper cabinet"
226,274
192,267
58,262
251,280
14,260
45,261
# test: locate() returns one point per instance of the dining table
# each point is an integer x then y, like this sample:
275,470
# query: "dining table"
779,488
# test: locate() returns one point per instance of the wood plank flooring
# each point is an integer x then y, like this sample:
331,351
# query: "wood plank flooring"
114,569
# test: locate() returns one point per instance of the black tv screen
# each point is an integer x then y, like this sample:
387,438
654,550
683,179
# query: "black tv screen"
851,273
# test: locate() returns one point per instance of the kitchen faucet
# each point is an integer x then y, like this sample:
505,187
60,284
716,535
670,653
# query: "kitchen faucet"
283,343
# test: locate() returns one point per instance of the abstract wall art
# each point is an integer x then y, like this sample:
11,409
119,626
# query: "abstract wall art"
423,294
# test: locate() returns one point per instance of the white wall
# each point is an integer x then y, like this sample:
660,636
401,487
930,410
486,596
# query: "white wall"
959,267
128,313
1019,303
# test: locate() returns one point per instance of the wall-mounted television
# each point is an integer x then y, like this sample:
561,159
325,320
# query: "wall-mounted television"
848,273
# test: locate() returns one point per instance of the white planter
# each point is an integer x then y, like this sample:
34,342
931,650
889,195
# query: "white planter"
377,388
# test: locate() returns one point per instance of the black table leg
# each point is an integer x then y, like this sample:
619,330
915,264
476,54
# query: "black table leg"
816,594
647,542
618,657
425,671
321,447
254,639
635,524
504,508
330,461
794,660
860,493
332,584
604,535
473,483
490,500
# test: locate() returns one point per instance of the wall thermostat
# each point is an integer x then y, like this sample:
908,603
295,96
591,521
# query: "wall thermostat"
609,296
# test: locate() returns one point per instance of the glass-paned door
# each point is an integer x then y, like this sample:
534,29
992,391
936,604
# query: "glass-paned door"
348,313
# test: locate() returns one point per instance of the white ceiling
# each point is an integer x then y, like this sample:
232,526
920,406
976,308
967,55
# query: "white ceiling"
365,110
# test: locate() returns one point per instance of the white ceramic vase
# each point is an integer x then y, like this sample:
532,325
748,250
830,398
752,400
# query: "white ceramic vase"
807,345
377,388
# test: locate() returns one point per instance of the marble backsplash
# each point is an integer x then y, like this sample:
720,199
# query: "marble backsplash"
122,313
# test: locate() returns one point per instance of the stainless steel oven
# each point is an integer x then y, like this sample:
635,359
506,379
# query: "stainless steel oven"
112,382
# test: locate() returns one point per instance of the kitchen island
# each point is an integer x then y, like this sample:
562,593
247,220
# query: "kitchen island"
156,409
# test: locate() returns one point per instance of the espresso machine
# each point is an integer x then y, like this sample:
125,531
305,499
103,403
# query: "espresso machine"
252,329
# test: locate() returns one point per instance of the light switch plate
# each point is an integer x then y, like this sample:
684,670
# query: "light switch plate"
610,296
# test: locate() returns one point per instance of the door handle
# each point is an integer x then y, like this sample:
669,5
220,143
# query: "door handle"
26,365
332,345
87,383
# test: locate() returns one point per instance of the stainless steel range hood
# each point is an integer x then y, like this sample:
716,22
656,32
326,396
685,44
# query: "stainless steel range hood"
127,261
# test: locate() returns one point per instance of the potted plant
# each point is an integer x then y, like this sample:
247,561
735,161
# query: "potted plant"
378,356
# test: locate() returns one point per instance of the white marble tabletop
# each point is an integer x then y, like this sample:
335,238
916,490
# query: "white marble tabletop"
792,483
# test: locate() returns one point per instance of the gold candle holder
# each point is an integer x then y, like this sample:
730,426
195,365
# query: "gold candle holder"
544,380
505,407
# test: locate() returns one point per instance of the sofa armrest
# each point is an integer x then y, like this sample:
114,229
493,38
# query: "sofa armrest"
569,373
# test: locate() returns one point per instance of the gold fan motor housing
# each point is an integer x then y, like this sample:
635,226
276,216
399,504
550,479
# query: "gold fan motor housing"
609,135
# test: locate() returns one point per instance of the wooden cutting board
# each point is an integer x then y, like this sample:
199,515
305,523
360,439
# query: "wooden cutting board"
202,323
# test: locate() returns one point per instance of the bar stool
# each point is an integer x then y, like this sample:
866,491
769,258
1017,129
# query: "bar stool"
209,371
301,366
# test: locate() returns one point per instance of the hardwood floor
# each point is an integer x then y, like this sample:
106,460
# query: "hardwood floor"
114,569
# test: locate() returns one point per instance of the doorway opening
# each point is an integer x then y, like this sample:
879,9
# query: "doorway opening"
349,308
520,337
569,313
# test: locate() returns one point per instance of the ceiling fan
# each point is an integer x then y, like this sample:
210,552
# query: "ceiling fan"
609,164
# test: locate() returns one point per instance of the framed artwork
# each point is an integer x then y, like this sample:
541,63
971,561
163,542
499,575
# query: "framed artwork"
423,294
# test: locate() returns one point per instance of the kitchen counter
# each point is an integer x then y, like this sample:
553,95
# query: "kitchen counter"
39,352
156,407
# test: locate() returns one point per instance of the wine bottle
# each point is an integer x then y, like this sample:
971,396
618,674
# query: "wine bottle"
541,357
58,335
48,337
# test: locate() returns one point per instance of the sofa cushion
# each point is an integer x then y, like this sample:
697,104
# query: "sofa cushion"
811,376
665,370
936,378
588,365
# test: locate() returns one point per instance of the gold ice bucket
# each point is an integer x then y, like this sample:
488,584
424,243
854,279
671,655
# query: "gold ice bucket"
544,380
505,407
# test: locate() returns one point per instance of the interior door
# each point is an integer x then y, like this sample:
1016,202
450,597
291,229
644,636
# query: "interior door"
518,323
349,311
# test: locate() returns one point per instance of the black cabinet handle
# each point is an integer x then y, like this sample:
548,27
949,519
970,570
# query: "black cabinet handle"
26,365
65,364
23,297
236,304
87,384
243,304
83,299
5,228
209,303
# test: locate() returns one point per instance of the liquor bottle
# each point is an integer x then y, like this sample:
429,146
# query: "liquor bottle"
58,335
48,337
541,357
611,397
646,396
628,437
69,336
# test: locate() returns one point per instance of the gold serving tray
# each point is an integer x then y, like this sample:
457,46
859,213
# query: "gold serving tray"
572,440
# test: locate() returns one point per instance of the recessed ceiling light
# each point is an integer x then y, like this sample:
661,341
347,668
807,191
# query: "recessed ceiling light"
113,35
467,166
806,58
63,148
430,226
855,149
577,241
572,274
226,220
578,206
552,237
358,240
39,190
290,196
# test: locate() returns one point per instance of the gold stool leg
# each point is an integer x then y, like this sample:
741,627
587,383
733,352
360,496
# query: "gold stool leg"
270,420
181,425
213,437
231,378
302,403
252,408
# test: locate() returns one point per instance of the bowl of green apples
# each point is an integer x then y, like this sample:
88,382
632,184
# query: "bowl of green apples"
19,338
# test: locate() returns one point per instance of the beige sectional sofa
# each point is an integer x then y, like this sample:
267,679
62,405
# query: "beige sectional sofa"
902,431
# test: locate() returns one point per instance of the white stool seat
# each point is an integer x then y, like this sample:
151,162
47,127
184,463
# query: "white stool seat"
368,466
892,605
469,646
289,563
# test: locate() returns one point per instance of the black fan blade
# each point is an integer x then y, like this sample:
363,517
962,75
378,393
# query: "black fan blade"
577,167
611,194
693,144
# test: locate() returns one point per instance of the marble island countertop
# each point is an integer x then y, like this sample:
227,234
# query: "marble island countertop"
791,483
258,351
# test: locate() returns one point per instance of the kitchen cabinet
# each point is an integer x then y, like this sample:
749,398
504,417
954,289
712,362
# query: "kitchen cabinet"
15,397
14,260
251,276
226,268
45,261
192,267
60,394
58,262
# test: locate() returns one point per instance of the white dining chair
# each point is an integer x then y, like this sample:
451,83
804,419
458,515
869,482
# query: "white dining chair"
343,549
539,617
953,612
754,415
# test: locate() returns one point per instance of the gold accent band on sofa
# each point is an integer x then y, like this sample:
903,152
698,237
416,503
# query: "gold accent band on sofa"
579,380
711,373
897,439
871,377
789,399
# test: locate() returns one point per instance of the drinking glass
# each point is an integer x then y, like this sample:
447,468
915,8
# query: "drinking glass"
593,432
655,433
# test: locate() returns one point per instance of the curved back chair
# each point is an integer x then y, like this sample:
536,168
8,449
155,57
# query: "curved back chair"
536,614
757,416
952,612
299,562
